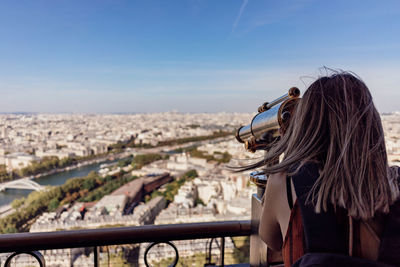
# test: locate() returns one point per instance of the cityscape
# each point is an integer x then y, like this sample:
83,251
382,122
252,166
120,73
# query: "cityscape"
121,138
162,168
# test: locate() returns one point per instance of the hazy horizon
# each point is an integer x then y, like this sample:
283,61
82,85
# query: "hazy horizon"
134,113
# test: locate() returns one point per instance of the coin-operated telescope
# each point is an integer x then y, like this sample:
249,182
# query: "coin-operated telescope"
266,127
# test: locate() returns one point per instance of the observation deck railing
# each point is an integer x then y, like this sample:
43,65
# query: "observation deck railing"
31,243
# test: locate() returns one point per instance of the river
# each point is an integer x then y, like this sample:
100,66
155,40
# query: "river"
7,196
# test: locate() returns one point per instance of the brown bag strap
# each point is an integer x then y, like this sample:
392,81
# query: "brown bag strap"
371,231
351,236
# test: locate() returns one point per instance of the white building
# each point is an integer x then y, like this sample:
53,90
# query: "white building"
16,161
111,205
187,195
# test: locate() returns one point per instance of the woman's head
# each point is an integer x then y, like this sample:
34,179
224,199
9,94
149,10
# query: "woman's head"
337,126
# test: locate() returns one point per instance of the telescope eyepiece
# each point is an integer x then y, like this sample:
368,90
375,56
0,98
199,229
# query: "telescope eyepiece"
237,135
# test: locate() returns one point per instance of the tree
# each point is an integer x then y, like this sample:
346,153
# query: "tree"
18,202
140,160
190,174
54,203
88,184
125,162
10,230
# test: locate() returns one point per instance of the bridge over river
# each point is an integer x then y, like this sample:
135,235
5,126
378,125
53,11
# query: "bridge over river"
24,183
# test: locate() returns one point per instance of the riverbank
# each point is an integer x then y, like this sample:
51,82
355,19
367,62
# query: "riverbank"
102,159
58,177
5,210
82,164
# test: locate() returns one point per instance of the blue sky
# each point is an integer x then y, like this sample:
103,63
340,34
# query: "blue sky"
189,55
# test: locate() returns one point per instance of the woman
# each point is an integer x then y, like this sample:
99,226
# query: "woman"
337,130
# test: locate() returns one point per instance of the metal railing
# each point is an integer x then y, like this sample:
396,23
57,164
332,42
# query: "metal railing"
31,243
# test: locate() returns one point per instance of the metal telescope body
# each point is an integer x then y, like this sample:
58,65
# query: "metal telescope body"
272,119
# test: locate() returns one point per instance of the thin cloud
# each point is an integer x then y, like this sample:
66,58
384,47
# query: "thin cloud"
280,12
244,4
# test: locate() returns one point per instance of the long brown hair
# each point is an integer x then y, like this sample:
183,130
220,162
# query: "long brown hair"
337,126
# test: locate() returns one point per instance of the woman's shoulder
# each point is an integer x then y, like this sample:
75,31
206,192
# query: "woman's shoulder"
276,195
277,179
269,229
275,187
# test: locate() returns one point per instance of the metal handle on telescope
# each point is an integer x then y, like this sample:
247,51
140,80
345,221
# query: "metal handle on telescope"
294,92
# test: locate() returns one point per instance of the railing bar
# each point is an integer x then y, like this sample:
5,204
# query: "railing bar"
222,251
122,235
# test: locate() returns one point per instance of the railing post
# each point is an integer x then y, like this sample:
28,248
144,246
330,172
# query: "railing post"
222,251
96,256
258,249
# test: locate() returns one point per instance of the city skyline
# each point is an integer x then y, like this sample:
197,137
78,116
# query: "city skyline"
192,56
